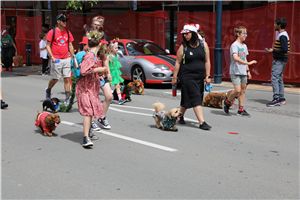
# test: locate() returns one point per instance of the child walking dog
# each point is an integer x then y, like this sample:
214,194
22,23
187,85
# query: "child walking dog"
239,70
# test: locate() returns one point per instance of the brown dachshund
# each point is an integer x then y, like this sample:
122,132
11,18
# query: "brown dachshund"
215,99
47,122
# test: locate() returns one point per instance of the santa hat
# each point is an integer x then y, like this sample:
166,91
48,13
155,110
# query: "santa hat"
198,27
188,28
3,32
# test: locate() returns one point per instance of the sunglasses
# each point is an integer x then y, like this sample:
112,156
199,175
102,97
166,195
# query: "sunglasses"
64,20
186,33
245,34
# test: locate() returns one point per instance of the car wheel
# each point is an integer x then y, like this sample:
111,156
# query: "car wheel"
138,73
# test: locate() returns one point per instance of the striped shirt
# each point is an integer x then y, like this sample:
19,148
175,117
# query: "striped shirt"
282,47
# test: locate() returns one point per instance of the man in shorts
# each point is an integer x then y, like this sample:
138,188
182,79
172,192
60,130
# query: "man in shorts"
60,50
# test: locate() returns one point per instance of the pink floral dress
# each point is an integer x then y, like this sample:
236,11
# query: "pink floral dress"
88,87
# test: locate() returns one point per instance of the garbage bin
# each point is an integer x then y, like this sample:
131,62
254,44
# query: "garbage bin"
28,54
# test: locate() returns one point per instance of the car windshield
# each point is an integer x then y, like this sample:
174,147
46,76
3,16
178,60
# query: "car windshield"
144,48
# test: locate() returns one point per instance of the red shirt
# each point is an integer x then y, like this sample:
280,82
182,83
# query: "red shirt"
59,46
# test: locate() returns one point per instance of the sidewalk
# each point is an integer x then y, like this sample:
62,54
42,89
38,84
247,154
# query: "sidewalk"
255,86
35,70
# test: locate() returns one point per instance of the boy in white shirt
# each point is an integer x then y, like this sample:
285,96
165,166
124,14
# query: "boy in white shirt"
239,70
43,52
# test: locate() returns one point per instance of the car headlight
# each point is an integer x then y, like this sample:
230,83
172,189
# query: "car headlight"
162,66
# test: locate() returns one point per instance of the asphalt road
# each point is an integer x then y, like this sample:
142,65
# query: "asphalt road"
135,160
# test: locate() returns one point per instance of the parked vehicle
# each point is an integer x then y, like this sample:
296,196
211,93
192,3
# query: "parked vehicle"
146,61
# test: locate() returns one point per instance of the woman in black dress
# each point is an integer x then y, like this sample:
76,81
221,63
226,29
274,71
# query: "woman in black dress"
192,68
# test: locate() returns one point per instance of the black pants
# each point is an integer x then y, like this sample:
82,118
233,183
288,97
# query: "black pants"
45,65
7,56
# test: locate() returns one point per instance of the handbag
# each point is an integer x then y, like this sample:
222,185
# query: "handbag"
18,60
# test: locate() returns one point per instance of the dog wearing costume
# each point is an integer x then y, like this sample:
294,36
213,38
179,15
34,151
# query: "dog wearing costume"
47,122
53,104
165,119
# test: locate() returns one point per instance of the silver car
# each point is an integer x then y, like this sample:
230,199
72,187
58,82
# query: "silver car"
146,61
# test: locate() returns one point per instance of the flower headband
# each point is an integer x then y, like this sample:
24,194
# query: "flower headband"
94,34
113,42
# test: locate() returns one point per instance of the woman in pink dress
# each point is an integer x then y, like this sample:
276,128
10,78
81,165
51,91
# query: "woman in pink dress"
88,87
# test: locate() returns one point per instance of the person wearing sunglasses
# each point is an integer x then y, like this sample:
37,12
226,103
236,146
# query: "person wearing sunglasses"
60,50
239,70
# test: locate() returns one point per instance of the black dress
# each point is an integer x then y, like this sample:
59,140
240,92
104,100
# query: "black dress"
191,76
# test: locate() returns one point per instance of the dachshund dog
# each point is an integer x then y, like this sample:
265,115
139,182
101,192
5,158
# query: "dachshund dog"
47,122
53,104
125,93
137,86
166,118
215,99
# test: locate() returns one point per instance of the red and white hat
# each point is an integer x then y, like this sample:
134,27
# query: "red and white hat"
189,27
198,27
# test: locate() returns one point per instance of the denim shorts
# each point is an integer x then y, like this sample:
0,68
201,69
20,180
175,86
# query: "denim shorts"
238,79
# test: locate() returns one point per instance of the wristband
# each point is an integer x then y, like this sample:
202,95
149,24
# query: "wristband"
207,77
248,71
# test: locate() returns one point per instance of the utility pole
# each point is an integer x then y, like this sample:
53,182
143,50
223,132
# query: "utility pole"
54,12
218,52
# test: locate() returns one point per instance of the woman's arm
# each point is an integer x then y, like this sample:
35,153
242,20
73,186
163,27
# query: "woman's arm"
177,65
207,64
14,46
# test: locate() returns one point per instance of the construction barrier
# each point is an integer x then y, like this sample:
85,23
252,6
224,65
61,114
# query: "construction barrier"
261,34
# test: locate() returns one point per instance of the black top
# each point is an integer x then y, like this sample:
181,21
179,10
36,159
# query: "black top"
194,66
191,76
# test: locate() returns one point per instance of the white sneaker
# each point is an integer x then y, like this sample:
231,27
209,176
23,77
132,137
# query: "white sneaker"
67,102
95,127
103,121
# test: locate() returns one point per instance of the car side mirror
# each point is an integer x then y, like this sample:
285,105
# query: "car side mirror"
120,53
167,51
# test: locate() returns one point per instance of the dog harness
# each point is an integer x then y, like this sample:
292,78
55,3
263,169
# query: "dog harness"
41,121
166,122
55,106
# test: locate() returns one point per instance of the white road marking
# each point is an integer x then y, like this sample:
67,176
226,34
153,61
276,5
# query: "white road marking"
126,138
218,91
125,106
137,113
129,112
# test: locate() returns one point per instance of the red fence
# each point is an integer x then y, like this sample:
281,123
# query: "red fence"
259,22
130,25
261,34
